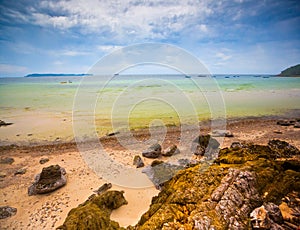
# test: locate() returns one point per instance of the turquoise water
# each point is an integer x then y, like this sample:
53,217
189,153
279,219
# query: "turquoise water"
143,98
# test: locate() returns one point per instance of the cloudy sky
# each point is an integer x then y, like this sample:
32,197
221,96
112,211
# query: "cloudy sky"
69,36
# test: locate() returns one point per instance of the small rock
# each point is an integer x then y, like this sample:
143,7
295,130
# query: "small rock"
103,188
20,171
44,160
222,133
277,132
138,162
154,151
6,211
260,218
170,151
156,162
2,174
205,144
297,125
112,134
3,123
7,160
236,145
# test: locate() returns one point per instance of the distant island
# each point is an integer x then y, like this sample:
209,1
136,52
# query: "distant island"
57,75
293,71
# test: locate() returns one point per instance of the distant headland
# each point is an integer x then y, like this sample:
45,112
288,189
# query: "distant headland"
57,75
293,71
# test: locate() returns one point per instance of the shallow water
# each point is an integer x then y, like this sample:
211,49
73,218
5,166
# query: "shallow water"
127,102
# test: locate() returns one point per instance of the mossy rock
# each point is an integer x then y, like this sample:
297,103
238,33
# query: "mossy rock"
95,212
207,196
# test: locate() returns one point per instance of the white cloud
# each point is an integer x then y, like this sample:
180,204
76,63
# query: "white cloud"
7,69
223,56
108,48
130,19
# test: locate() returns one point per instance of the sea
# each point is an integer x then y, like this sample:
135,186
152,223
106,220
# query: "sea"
119,102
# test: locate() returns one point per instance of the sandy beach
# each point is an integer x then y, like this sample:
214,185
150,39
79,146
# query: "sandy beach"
49,211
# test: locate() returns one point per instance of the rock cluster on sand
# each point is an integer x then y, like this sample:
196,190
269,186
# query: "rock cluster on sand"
50,179
247,187
293,122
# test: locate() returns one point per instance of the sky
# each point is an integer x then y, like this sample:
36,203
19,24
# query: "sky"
70,36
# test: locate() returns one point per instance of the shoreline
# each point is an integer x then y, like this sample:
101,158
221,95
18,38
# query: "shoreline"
49,210
58,139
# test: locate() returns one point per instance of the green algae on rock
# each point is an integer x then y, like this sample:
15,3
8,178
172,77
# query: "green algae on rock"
222,195
95,212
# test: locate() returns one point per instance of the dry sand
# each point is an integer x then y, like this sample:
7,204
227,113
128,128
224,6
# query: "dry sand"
49,211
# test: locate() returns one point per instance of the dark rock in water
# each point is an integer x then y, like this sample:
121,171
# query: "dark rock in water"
103,188
138,162
44,160
205,144
222,133
154,151
7,160
20,171
3,123
170,151
50,179
6,211
95,213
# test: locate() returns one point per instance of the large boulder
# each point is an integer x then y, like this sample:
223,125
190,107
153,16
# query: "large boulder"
50,179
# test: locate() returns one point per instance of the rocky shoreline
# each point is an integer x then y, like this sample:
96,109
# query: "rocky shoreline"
194,197
247,187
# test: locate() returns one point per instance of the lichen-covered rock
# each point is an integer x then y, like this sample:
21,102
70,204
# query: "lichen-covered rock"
154,151
95,213
50,179
7,211
224,194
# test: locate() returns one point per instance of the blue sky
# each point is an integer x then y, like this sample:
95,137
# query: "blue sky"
69,36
